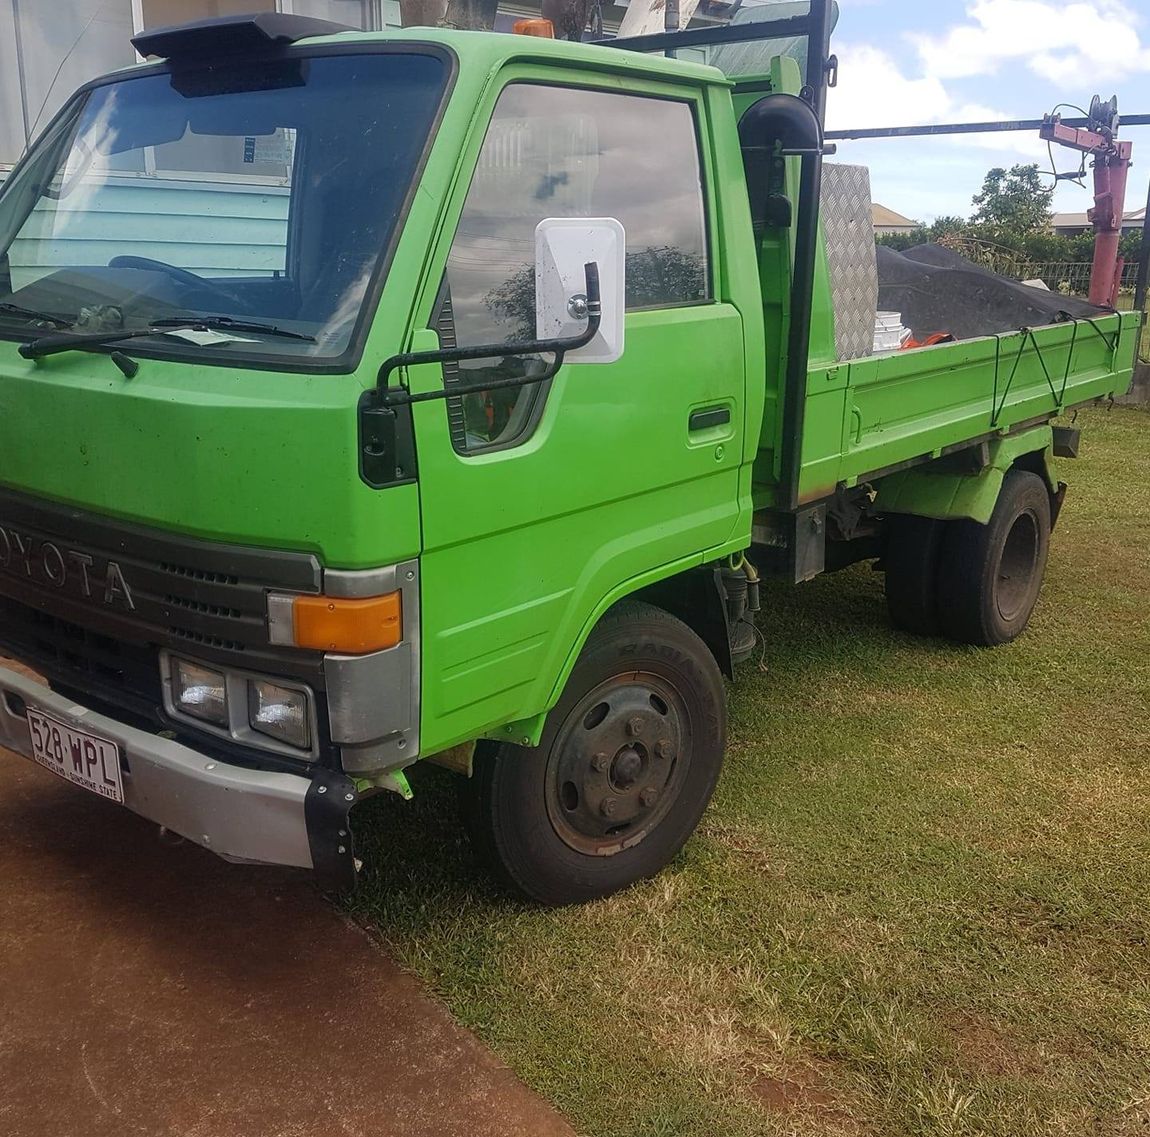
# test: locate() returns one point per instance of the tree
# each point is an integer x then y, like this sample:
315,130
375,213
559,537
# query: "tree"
939,229
421,13
1012,203
475,15
947,226
569,17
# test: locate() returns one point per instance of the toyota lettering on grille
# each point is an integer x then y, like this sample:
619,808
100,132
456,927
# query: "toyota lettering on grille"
67,569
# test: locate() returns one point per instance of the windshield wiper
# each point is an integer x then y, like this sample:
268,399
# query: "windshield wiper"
227,324
53,345
32,314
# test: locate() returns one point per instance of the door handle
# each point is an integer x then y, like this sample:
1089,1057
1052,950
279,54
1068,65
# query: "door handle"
709,416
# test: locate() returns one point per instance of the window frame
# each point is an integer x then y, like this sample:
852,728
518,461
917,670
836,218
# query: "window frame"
518,75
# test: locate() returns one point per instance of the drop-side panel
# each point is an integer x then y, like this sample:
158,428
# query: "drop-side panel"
911,405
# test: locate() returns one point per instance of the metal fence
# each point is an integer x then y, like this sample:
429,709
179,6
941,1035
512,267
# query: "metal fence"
1071,278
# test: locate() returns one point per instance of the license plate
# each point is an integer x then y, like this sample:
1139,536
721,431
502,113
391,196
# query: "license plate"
78,757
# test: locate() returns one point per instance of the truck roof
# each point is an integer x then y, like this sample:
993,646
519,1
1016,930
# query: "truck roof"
490,50
497,48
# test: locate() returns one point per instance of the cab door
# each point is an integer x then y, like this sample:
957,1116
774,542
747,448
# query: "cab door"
543,503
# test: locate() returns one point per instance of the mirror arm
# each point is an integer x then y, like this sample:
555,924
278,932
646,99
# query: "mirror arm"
389,396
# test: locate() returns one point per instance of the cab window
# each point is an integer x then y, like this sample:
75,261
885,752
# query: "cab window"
555,151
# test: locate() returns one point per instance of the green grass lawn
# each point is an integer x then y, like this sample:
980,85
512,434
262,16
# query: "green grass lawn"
920,902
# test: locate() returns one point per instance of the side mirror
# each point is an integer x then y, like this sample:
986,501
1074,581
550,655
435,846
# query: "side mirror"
569,299
563,248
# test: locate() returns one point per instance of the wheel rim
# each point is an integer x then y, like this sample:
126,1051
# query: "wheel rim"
618,763
1017,566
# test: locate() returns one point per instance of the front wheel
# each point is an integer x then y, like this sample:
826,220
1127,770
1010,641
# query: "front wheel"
626,765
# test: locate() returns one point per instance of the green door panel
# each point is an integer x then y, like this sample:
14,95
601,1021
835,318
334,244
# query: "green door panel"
522,545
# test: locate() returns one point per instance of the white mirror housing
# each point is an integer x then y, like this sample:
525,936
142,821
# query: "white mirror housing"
563,245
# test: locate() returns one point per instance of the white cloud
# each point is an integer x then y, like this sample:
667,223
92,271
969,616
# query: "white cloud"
872,91
1079,47
1094,42
925,176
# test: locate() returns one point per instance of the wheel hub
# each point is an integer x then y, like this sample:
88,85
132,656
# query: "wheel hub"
627,768
617,763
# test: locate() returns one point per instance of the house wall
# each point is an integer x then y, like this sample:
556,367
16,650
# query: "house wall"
212,230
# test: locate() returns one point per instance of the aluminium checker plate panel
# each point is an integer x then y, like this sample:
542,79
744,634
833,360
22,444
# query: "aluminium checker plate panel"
849,234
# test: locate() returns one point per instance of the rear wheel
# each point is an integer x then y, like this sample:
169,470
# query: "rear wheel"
626,765
990,575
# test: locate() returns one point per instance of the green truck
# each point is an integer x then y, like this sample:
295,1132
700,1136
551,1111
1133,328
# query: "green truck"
466,387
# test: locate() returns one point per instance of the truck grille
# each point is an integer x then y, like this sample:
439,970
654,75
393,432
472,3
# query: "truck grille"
112,671
91,600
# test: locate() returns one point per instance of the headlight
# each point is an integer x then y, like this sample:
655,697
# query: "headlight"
279,712
200,692
245,707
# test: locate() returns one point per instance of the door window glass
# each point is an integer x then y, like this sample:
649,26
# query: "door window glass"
567,152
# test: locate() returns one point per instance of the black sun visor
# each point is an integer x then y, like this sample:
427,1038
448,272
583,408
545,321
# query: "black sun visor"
229,37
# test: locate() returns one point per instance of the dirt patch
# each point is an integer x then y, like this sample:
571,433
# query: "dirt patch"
744,845
789,1093
985,1048
801,1088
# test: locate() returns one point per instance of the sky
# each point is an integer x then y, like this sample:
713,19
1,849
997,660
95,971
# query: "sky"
905,62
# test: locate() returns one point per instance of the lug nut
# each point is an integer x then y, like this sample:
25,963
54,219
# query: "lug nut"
663,748
608,806
635,725
648,796
600,762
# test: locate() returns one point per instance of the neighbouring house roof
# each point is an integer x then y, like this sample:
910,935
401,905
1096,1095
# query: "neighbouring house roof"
1131,219
884,218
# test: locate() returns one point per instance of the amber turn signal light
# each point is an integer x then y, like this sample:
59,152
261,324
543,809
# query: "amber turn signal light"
353,626
534,27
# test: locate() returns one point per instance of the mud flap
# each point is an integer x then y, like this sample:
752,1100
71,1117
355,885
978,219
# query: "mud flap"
326,812
1057,498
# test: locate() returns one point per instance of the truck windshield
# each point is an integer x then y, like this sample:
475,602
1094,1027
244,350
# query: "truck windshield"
266,192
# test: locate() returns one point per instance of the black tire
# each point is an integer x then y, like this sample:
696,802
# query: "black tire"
641,723
990,575
911,557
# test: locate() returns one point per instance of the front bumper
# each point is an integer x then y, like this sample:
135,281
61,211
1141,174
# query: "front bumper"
253,816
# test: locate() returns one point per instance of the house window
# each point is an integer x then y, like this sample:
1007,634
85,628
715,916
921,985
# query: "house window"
48,49
46,52
367,15
566,152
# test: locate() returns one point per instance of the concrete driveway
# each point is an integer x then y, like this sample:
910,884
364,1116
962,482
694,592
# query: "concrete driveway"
147,989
